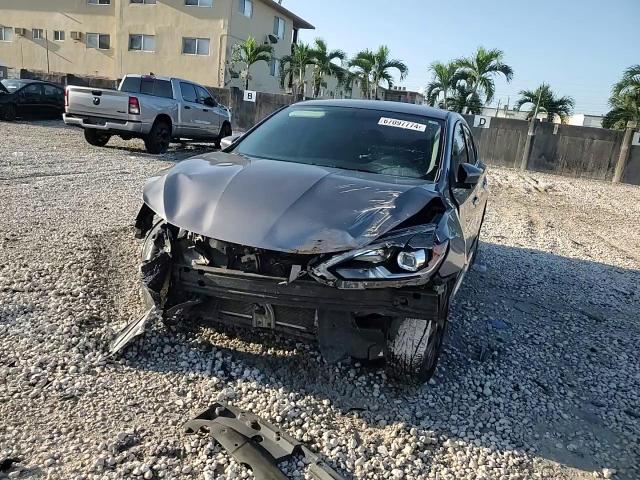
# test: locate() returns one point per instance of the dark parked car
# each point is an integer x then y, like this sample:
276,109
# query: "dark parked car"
352,222
30,98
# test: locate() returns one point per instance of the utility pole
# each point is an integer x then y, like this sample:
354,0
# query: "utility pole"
625,149
46,44
497,109
530,135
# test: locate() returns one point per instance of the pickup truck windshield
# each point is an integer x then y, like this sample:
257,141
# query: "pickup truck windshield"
373,141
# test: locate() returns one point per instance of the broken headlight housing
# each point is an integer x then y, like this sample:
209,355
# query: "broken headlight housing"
408,256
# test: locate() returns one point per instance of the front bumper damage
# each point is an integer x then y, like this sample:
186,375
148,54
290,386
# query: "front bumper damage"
349,319
256,443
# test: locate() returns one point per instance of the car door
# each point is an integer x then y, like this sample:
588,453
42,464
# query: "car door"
465,196
191,111
53,100
30,100
480,191
210,112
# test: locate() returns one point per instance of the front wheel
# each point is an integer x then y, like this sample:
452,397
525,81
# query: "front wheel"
159,138
9,112
95,137
414,346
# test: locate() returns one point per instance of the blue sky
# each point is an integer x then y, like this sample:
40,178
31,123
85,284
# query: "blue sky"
579,47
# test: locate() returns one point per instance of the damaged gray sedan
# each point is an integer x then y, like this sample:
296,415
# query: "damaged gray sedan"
349,222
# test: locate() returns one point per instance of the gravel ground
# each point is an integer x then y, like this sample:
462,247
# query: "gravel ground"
540,377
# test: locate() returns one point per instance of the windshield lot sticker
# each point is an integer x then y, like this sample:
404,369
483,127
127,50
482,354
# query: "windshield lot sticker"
394,122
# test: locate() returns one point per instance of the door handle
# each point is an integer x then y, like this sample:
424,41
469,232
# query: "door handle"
205,110
475,201
187,107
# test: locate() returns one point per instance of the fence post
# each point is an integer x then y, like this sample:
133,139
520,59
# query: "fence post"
624,152
528,144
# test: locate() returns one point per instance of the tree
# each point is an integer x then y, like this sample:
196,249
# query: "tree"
481,69
293,67
445,78
362,68
382,65
247,53
549,103
325,66
464,99
624,100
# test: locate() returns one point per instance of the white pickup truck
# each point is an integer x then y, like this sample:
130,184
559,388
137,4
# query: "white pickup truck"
156,109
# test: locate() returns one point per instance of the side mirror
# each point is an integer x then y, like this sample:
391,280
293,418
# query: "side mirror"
210,102
469,175
226,142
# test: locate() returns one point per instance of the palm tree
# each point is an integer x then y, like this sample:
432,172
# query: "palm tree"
624,101
325,65
249,52
549,103
381,66
362,65
481,69
445,77
293,67
464,99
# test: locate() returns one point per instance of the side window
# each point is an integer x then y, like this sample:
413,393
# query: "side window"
188,92
203,94
163,89
471,148
52,92
458,150
32,91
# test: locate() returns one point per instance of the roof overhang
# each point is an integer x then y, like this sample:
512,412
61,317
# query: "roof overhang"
298,22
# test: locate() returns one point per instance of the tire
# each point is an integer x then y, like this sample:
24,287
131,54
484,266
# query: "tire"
414,346
9,112
96,138
159,138
225,131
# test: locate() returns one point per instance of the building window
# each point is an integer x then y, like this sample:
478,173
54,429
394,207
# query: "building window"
195,46
6,34
198,3
274,67
58,35
101,41
246,7
142,43
37,34
145,2
99,2
278,27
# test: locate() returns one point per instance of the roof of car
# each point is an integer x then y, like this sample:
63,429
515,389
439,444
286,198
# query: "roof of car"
394,107
33,80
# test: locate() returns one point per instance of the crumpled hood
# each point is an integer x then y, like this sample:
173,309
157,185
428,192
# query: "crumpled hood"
283,206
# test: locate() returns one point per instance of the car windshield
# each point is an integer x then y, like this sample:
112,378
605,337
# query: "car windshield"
376,141
12,85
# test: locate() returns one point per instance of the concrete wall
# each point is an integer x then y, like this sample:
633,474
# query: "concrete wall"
562,149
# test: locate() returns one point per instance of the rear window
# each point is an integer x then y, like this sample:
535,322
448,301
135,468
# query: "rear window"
147,86
12,85
375,141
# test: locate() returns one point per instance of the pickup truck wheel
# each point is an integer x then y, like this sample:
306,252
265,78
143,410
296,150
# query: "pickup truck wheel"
96,138
159,138
9,112
414,346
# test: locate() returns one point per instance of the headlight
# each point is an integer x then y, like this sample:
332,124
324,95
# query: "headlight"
393,260
413,260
